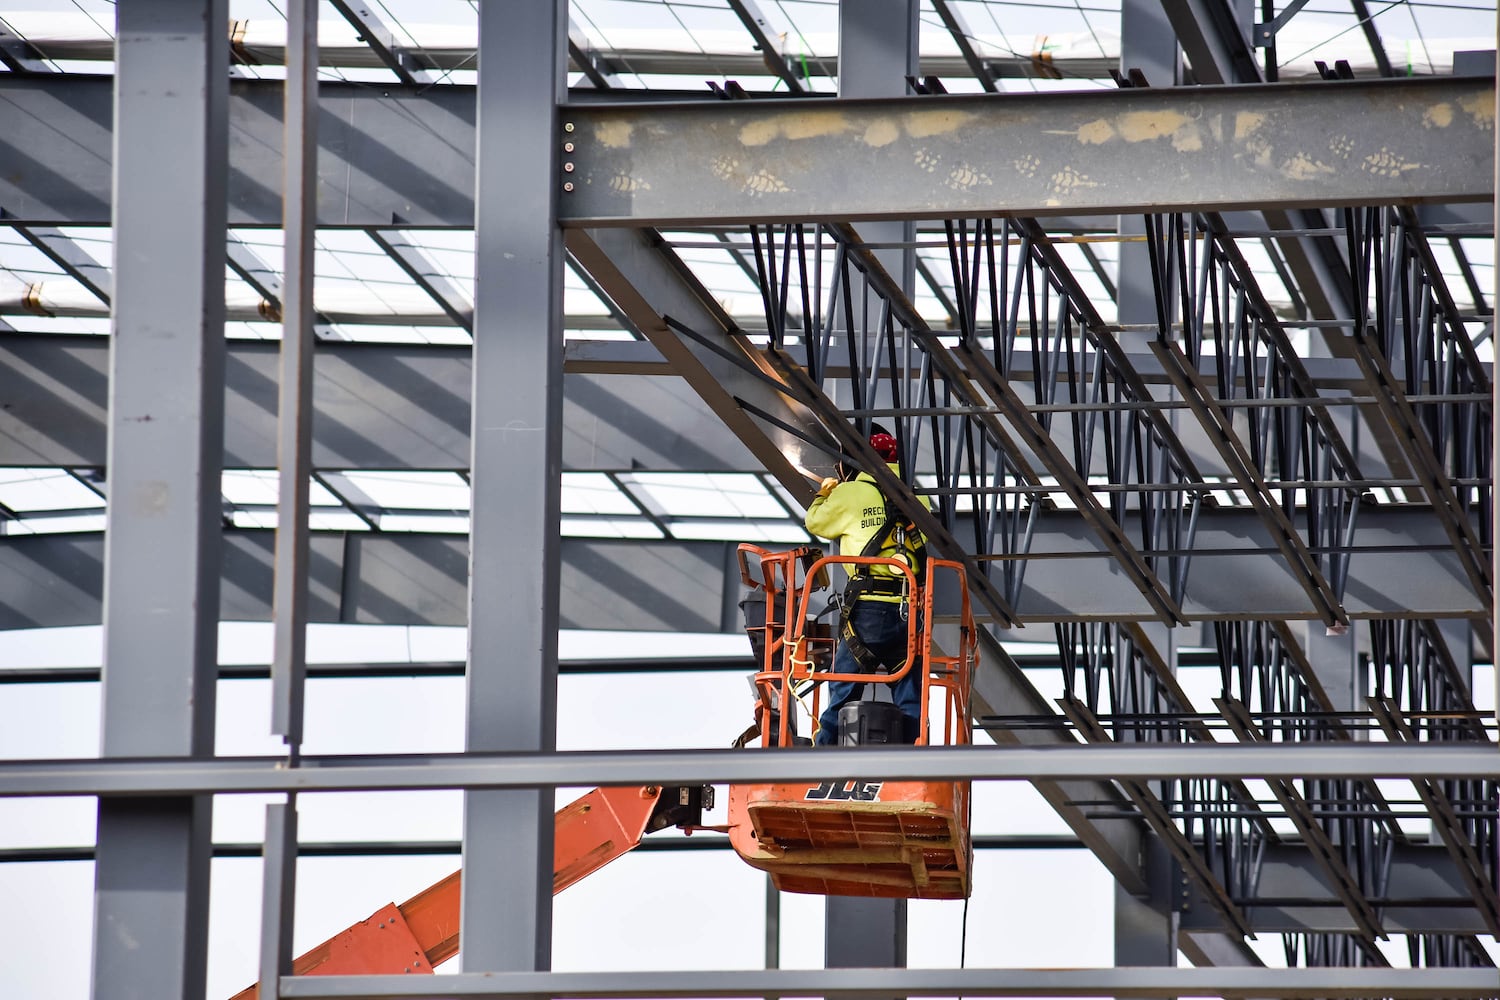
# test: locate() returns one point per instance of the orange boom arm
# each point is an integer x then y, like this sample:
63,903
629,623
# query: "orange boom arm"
423,931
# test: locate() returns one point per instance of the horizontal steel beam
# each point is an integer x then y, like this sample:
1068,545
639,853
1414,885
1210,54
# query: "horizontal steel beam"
400,156
375,406
1422,892
1123,151
410,668
394,578
419,772
405,406
848,984
1416,867
1402,569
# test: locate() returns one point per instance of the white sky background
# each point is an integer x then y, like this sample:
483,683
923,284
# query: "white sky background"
660,910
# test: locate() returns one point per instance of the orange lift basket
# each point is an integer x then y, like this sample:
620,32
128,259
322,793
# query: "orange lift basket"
861,836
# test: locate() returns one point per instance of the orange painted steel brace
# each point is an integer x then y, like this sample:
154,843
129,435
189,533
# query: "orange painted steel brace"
423,931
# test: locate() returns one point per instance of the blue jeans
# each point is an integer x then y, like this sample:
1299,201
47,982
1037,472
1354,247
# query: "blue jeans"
880,626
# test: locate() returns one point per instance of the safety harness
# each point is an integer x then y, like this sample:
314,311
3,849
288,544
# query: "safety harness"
897,530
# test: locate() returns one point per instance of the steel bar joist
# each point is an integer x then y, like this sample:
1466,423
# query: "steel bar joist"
1071,351
898,366
1195,868
1349,888
1420,696
1225,306
1270,693
1223,315
892,360
1127,151
1465,835
1408,339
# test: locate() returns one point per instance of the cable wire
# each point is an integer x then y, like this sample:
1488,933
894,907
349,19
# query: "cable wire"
1340,34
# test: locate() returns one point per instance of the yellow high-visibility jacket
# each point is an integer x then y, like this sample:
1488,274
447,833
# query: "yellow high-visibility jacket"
854,511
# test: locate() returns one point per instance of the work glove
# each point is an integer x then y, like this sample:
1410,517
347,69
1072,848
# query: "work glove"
827,486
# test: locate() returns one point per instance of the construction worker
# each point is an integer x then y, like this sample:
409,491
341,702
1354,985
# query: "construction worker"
856,514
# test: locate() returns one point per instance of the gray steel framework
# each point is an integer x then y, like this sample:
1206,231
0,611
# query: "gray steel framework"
151,877
878,49
1134,150
516,438
1083,152
1367,495
1293,984
146,777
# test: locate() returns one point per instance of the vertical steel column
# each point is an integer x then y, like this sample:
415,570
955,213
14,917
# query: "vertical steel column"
1145,926
294,465
517,458
1334,659
294,410
773,925
278,875
869,933
1148,44
165,452
877,52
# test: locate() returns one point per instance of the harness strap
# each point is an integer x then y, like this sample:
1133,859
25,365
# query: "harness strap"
897,530
869,662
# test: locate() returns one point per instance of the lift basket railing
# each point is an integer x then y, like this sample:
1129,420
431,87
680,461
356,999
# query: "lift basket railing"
794,647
